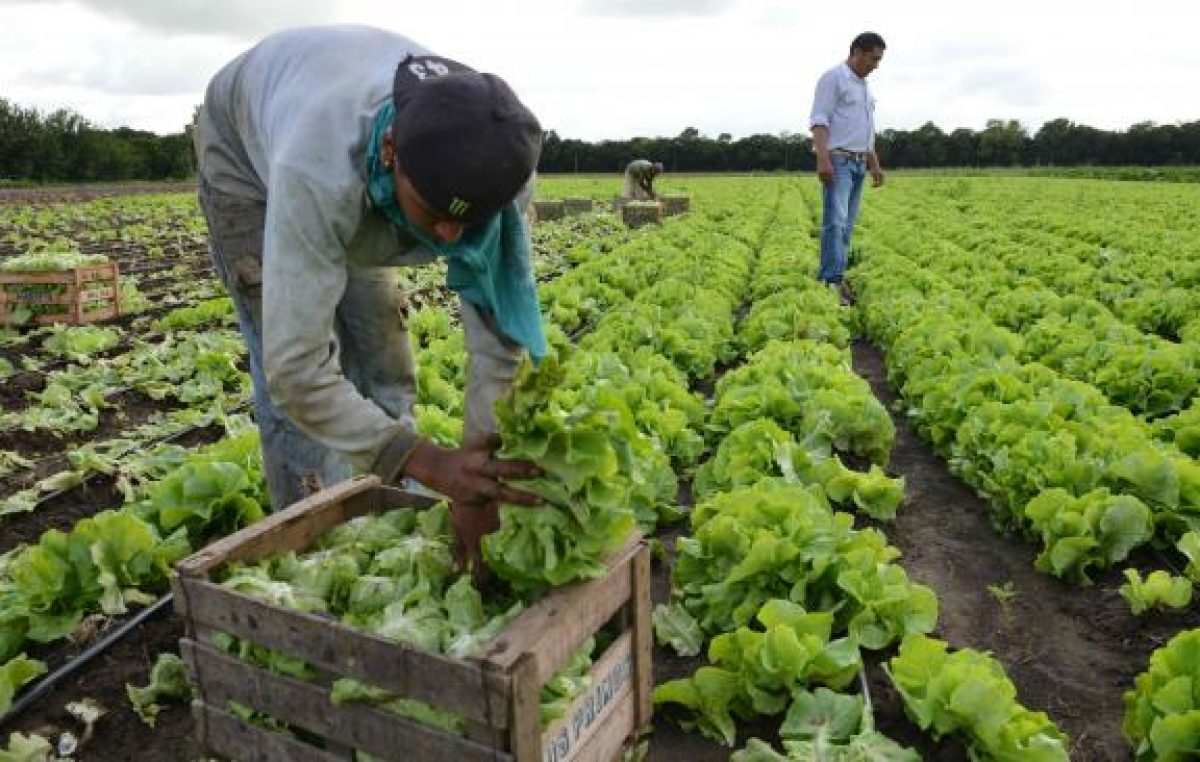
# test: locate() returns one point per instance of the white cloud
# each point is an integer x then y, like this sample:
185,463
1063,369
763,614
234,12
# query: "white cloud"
238,18
660,8
615,68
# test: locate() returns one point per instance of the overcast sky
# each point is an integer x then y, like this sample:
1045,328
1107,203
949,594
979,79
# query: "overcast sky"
617,68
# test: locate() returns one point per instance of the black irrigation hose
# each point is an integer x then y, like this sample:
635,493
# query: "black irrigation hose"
52,680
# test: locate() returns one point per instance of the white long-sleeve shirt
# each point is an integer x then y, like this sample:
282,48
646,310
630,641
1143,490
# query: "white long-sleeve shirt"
843,103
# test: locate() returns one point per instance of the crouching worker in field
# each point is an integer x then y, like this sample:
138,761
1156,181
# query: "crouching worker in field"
639,180
328,156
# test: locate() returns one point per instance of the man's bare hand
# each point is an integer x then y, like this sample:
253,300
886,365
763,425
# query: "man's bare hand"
470,524
876,177
472,474
475,482
825,169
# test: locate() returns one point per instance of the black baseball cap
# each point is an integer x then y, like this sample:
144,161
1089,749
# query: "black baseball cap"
464,139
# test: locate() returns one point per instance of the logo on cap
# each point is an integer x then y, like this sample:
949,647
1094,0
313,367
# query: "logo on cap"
458,207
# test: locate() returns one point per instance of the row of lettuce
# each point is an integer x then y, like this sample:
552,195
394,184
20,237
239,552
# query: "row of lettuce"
1013,372
1128,247
1057,458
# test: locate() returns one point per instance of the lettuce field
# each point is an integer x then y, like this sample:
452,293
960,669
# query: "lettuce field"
958,519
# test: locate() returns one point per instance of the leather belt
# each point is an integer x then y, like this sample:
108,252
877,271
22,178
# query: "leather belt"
860,155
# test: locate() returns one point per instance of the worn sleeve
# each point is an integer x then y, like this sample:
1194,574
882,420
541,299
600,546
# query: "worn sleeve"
824,101
493,363
304,277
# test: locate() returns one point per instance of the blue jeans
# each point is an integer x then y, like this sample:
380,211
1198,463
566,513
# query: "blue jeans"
841,200
371,338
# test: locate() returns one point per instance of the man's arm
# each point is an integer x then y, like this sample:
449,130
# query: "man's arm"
820,134
492,365
875,168
304,278
824,100
646,180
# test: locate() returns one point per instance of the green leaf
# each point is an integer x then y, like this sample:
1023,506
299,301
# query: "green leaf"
168,680
1159,590
15,673
708,693
674,626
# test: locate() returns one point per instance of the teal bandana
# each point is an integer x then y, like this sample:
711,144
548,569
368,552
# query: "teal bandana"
489,266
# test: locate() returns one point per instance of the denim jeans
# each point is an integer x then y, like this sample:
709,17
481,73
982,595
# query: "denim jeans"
371,339
841,200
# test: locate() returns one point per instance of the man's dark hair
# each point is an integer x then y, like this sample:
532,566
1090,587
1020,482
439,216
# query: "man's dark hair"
868,41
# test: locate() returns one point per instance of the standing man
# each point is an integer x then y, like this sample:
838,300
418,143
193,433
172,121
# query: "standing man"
327,157
639,180
843,131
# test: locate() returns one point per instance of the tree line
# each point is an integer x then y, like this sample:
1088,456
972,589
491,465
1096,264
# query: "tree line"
1002,143
62,145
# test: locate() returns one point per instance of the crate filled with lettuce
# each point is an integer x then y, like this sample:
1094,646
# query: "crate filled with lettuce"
59,287
339,628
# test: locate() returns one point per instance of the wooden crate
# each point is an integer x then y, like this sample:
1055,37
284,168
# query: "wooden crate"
80,286
496,692
574,206
639,213
549,210
676,204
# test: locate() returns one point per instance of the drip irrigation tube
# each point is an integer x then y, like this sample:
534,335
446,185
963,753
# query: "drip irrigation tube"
52,680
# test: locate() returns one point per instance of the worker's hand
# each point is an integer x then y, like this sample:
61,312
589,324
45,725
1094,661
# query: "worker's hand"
470,524
471,474
825,169
876,177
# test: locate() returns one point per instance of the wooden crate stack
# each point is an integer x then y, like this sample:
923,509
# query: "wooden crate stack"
496,692
639,213
574,206
548,210
675,204
80,287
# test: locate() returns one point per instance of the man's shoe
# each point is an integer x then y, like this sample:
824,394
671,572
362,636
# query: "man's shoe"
847,296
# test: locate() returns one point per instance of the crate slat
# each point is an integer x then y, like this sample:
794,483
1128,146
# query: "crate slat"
220,677
296,527
90,316
552,628
596,711
608,741
525,737
91,295
450,684
230,737
642,627
73,299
